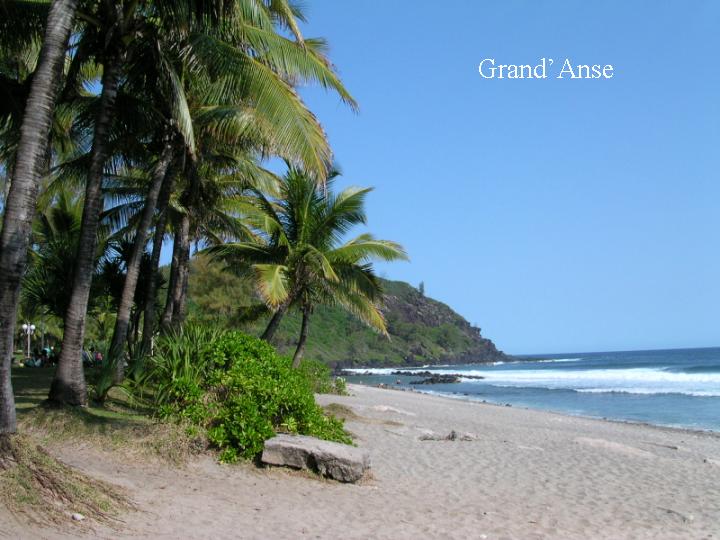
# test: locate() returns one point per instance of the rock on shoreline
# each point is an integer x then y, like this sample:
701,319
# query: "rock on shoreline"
338,461
428,377
438,379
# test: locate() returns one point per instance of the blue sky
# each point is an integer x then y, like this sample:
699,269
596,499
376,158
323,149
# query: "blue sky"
558,215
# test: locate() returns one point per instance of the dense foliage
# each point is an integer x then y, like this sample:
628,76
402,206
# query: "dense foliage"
238,388
129,123
147,119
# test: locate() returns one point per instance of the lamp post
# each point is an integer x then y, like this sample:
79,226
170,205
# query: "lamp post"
29,330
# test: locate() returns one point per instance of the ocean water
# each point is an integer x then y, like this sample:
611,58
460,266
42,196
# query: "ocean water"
678,387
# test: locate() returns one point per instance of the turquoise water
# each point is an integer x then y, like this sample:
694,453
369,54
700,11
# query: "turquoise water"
678,387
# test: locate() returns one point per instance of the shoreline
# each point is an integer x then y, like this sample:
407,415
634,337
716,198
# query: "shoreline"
669,389
463,398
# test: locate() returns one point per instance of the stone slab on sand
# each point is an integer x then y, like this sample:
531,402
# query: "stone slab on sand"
337,461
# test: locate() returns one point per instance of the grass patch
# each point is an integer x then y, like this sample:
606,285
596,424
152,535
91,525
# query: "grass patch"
131,437
47,491
341,411
118,426
338,410
31,386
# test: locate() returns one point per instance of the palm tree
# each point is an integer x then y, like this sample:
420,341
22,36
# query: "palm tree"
111,31
150,293
224,115
122,321
20,202
55,241
301,260
237,51
208,213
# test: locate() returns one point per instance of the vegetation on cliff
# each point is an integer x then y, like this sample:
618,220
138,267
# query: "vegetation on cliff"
421,330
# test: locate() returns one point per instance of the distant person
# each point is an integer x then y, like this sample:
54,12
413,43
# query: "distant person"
87,357
98,357
34,360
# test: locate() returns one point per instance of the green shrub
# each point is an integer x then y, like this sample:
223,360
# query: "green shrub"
320,378
240,389
183,359
340,386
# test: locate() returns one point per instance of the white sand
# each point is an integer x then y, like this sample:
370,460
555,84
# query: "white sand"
528,475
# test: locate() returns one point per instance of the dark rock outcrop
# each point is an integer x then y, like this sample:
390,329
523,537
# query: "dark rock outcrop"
438,379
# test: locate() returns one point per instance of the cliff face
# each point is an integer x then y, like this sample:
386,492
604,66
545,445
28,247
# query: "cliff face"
453,340
422,330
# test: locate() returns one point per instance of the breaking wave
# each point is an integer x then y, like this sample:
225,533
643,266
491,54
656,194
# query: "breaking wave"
629,381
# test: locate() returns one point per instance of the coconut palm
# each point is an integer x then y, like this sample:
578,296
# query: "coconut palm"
56,234
233,127
301,260
208,213
237,52
132,275
26,174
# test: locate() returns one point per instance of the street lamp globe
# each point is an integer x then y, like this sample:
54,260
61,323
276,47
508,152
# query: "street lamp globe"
25,326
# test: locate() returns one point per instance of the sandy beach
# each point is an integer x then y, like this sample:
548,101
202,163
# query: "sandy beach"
527,475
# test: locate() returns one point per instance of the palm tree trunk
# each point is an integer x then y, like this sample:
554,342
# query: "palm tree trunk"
166,318
181,285
179,291
151,287
117,347
68,386
22,194
300,350
136,331
274,323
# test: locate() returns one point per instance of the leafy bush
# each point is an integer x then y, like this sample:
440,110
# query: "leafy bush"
320,378
239,388
183,359
340,386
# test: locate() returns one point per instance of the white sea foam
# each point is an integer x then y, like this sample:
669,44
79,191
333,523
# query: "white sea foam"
371,371
648,391
631,381
543,361
557,360
628,381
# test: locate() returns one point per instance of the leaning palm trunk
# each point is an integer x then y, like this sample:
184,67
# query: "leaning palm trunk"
174,313
122,322
181,285
22,195
274,323
151,287
300,350
166,319
68,386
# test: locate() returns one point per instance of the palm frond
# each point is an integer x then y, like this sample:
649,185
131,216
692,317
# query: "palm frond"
272,283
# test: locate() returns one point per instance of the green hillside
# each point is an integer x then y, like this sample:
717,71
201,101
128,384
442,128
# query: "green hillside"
422,330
